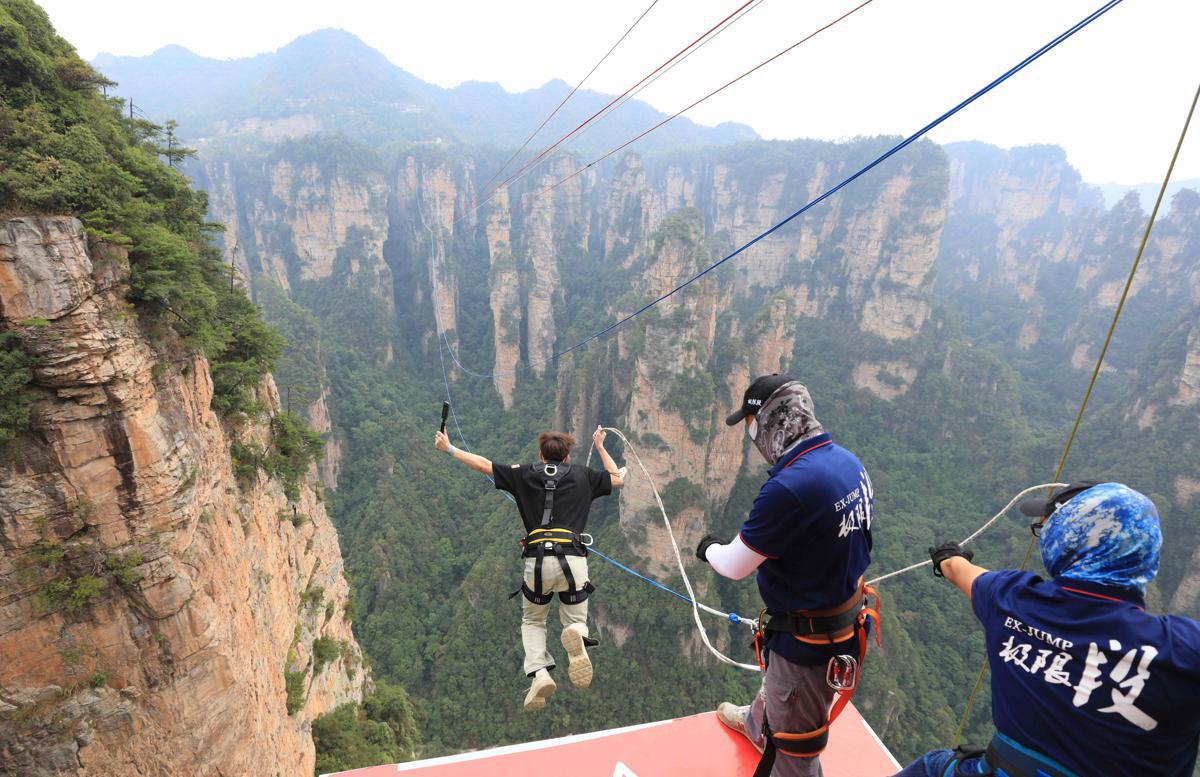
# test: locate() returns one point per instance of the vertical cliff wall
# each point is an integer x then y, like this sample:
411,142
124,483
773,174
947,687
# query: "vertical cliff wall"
607,240
156,616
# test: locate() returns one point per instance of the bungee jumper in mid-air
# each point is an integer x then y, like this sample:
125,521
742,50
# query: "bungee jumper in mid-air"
809,537
553,497
1084,681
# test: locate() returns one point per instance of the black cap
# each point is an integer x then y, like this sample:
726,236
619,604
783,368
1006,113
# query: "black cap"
1044,507
756,396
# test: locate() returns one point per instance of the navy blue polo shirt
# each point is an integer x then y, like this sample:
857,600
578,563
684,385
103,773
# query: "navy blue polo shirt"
1083,675
812,520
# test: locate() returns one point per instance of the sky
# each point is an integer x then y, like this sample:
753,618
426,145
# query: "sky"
1114,96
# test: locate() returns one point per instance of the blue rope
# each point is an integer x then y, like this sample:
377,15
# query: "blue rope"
733,616
879,160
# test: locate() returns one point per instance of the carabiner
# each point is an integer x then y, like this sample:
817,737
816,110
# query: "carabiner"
842,673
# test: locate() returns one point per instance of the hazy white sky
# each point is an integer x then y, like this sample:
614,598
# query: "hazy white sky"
1115,95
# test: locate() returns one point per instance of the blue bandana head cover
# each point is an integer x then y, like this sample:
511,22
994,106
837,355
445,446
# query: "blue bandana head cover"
1108,534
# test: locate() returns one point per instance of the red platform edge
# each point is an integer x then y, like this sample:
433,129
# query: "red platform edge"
695,746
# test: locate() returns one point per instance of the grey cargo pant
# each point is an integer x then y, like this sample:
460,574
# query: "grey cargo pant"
533,616
796,699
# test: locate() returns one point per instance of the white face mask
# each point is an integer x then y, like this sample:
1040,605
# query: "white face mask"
752,429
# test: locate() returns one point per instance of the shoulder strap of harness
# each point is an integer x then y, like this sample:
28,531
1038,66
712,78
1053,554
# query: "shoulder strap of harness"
551,472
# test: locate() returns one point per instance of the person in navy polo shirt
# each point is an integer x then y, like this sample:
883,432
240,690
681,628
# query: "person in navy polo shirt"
1084,681
809,537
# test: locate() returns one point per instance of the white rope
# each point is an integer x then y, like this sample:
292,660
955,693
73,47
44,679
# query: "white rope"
976,533
696,606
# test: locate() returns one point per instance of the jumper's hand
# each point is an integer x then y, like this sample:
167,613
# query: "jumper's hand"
598,436
441,441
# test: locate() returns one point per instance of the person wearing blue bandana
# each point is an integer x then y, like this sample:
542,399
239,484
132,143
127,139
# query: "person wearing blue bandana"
1084,681
808,536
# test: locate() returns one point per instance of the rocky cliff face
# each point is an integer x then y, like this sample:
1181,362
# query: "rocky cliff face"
1015,240
149,606
867,259
1037,266
1025,229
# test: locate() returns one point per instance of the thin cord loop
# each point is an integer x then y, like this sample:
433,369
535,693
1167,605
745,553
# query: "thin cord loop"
975,534
687,583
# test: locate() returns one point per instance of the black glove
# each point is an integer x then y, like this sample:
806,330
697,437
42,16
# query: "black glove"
945,551
702,548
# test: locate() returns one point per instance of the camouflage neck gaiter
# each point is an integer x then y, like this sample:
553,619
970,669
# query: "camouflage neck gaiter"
786,418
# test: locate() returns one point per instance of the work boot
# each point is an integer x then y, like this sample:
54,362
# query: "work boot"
580,667
539,690
734,717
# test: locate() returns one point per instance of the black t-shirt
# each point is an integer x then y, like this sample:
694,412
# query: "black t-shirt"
572,499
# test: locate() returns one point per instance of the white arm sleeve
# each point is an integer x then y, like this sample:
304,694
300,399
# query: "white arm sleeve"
735,560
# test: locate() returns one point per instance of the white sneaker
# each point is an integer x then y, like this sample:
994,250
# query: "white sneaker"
540,689
580,667
734,717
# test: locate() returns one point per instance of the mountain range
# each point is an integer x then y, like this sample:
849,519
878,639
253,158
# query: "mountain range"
330,80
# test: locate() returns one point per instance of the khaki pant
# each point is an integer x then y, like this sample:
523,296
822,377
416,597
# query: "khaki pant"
533,616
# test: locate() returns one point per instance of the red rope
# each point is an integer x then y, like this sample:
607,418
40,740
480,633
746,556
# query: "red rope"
570,94
713,93
589,119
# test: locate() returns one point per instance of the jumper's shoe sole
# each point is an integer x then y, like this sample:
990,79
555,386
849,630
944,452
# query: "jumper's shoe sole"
540,689
580,667
734,717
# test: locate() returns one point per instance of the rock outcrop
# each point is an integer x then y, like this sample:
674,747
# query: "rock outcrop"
155,617
868,258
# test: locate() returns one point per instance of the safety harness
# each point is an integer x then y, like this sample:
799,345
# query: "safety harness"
818,627
556,540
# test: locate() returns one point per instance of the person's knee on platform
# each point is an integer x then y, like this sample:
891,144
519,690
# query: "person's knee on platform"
540,688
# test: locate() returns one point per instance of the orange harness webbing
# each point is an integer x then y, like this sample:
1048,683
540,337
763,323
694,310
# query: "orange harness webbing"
811,743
